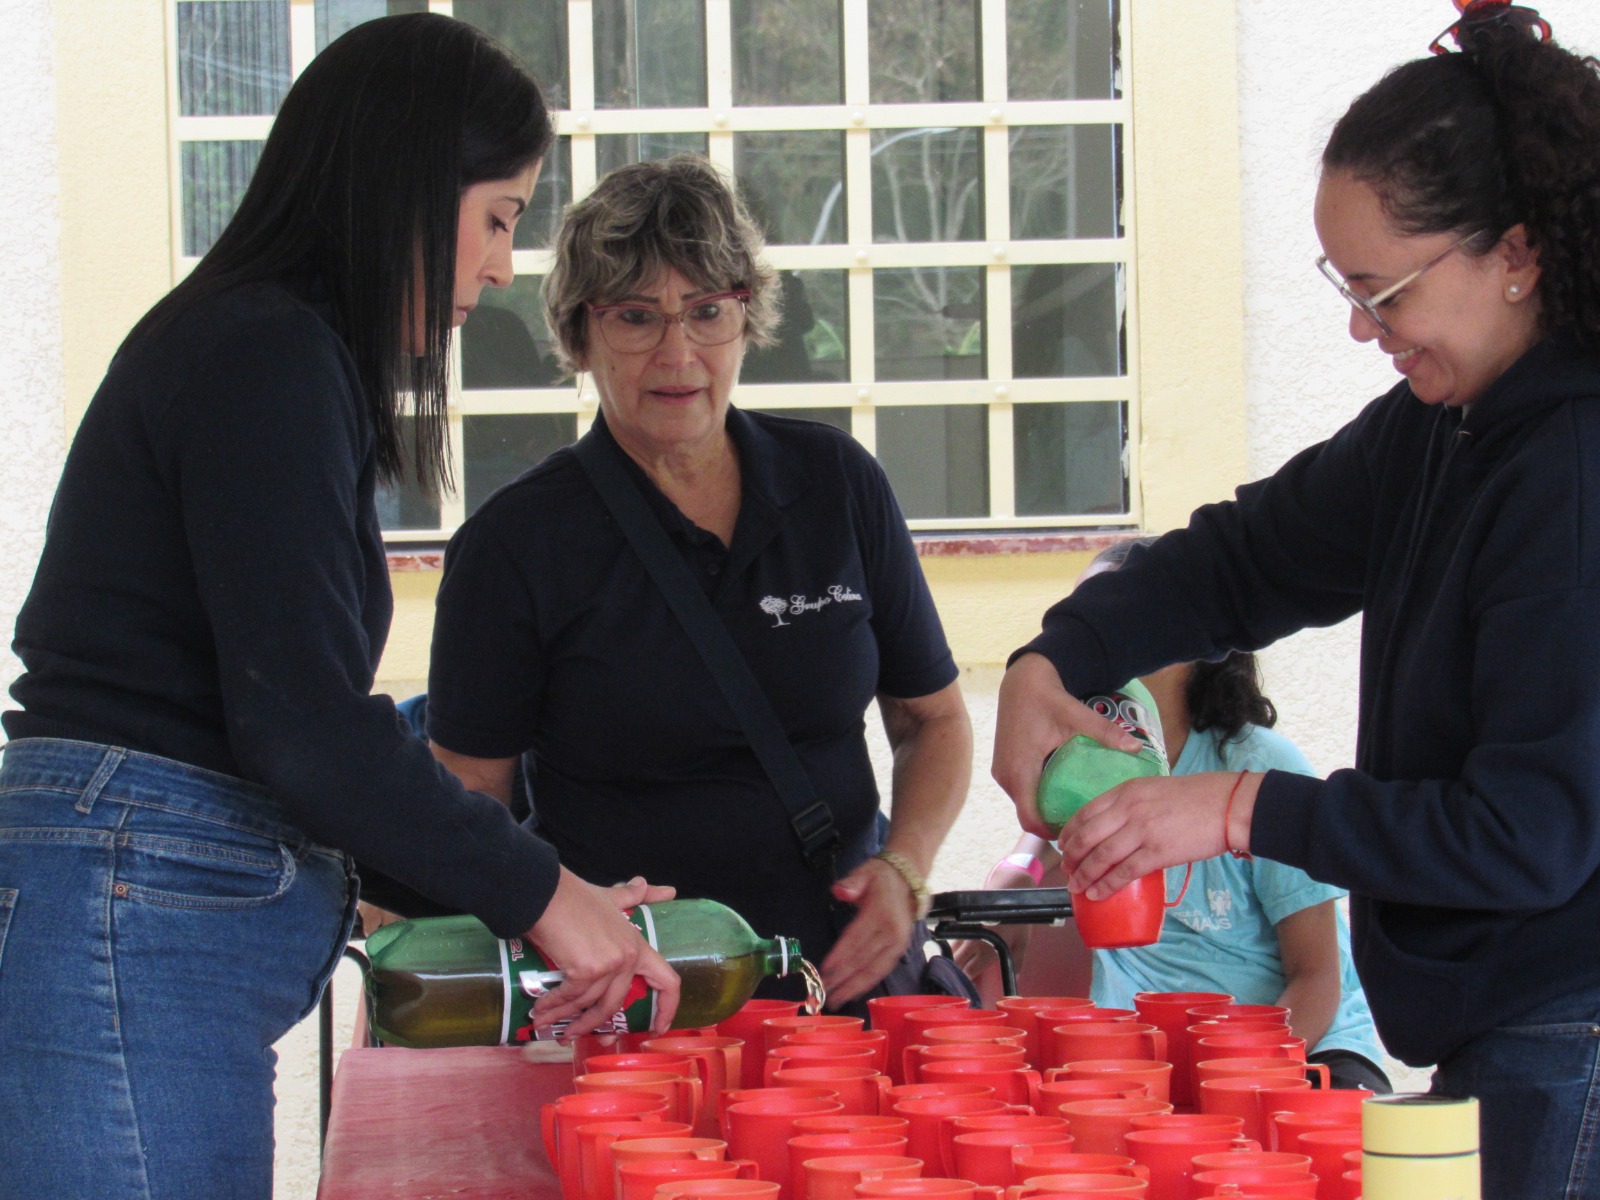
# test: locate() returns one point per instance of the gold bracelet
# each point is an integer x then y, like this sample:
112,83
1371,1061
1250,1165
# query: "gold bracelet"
913,879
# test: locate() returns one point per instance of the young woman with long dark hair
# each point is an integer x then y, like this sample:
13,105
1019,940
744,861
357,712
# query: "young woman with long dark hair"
197,757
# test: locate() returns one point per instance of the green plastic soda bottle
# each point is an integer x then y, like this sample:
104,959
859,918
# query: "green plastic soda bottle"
448,981
1081,768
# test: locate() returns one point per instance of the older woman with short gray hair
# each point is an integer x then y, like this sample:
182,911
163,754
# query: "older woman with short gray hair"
553,643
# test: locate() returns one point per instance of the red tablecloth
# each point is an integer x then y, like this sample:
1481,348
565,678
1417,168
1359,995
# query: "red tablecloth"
460,1124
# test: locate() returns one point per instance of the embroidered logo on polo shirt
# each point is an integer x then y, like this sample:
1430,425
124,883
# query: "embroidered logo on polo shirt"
799,604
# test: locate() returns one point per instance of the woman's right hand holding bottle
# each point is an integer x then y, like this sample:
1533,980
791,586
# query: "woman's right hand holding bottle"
585,931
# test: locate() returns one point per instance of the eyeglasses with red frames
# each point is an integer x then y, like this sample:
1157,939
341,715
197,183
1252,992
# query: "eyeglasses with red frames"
637,328
1486,12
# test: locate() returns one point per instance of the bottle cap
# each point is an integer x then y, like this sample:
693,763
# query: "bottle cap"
1413,1123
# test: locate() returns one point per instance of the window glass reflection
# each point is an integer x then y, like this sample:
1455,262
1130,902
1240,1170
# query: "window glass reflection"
937,458
505,343
793,183
1065,182
215,175
1069,458
336,17
1062,50
927,185
789,53
403,505
552,194
1067,319
923,51
233,57
496,449
649,54
814,338
535,31
613,150
928,323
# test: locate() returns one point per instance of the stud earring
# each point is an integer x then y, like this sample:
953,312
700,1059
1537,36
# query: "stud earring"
1513,290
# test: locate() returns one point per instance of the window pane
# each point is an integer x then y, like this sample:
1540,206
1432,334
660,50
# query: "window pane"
505,344
937,458
496,449
1069,458
533,30
1065,182
790,53
793,183
551,194
814,339
839,418
1062,50
215,175
649,54
927,185
403,505
233,57
1067,320
923,51
928,323
613,150
336,17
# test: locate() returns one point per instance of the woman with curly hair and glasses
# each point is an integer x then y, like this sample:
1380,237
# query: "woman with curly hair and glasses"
1261,931
1459,213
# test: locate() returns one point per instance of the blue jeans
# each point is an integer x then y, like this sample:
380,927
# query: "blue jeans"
1538,1089
161,926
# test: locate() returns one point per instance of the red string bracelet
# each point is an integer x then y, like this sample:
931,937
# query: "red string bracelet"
1227,814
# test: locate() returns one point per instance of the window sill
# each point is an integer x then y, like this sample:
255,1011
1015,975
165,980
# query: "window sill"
407,559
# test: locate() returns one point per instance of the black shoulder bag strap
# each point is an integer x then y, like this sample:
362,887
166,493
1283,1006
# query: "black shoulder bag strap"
809,815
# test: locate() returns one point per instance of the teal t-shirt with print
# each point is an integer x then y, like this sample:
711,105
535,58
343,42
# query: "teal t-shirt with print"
1221,937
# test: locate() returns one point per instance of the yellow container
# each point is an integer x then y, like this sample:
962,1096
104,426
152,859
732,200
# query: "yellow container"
1418,1147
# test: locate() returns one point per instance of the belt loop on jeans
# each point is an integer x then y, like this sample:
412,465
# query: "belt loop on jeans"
102,776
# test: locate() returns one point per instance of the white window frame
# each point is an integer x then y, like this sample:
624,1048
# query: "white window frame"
859,256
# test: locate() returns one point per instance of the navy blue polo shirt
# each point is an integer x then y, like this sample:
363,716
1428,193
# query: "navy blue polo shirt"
552,641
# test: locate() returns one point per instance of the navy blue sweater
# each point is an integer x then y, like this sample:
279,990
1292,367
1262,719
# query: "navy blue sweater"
213,589
1469,832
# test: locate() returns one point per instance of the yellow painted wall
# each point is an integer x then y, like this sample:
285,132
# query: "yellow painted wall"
116,220
117,255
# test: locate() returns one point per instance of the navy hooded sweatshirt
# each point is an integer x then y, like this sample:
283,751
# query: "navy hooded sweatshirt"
1469,833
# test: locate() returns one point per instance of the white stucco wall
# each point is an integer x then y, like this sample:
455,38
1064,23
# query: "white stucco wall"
30,283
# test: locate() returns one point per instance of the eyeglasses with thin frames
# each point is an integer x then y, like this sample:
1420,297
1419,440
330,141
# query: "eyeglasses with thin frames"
1484,12
1368,306
637,328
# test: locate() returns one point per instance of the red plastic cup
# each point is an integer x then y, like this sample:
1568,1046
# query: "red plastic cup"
836,1178
1286,1128
805,1146
596,1169
1130,916
718,1189
1094,1185
921,1055
1169,1012
889,1013
720,1061
1240,1096
560,1119
746,1025
759,1129
877,1039
1156,1076
639,1180
985,1155
1099,1126
683,1093
926,1114
1029,1163
860,1089
1023,1012
1170,1153
1078,1040
823,1054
